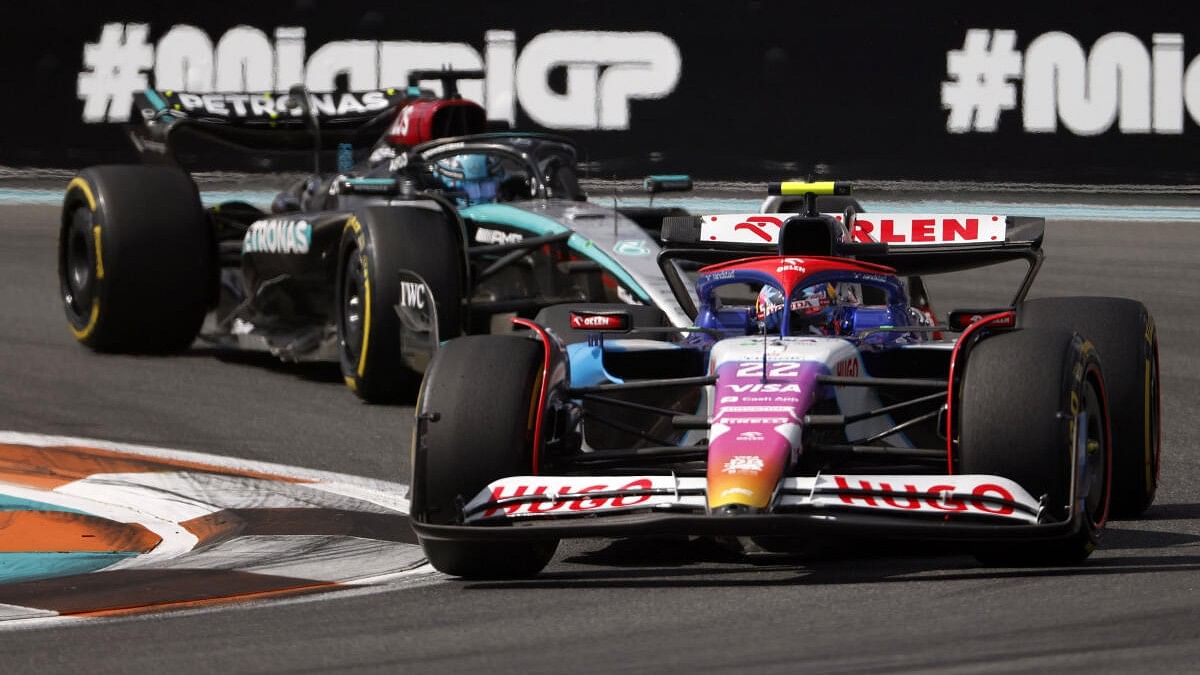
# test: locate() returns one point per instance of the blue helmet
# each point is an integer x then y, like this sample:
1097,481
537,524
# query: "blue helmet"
476,176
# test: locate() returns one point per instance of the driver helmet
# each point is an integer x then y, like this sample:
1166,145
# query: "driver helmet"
476,176
768,308
814,310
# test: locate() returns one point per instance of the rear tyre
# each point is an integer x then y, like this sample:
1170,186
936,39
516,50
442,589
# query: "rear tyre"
475,425
1124,334
1019,398
136,259
376,242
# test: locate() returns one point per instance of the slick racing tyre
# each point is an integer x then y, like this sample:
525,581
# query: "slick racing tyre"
376,243
1020,396
1124,335
474,426
136,259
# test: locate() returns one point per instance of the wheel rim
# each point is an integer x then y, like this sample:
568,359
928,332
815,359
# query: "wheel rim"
352,314
78,283
1096,444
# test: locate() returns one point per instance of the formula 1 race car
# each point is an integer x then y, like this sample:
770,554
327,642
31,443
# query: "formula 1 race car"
809,397
437,219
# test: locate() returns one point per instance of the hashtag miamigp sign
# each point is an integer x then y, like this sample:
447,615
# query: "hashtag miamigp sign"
979,80
605,70
1121,81
113,68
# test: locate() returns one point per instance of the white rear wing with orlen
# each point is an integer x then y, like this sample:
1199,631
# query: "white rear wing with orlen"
894,229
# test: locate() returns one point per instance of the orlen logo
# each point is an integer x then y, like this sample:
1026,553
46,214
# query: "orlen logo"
615,322
577,503
791,265
757,225
939,230
935,498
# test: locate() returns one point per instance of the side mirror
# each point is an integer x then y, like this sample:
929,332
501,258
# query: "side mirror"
961,319
672,183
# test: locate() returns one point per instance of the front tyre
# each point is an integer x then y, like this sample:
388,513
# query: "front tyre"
1023,398
376,243
475,423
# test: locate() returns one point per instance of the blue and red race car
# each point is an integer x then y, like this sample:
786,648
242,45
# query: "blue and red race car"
810,396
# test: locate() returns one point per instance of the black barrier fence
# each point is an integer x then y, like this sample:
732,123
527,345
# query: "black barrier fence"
1014,91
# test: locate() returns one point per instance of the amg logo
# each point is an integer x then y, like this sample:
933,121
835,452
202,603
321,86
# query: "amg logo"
486,235
412,294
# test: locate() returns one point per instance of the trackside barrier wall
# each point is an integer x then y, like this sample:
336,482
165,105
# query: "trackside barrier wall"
1016,91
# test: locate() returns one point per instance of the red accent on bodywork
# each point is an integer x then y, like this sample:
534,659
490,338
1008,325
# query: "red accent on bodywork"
983,321
541,410
790,276
426,119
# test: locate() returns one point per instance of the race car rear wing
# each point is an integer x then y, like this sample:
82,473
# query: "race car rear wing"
911,244
258,130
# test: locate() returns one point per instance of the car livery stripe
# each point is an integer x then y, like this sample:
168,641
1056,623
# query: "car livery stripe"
155,100
504,214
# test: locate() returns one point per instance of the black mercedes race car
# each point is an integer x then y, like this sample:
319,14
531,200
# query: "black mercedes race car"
437,229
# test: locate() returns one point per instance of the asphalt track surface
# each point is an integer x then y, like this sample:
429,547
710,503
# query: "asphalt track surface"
655,606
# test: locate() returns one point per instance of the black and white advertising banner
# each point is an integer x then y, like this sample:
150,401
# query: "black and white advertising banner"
923,90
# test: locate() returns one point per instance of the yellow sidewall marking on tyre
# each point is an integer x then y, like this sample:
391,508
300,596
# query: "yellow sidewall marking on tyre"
82,186
99,253
353,224
91,324
362,357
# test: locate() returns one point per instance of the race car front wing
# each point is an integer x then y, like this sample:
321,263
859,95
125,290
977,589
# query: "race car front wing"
967,507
